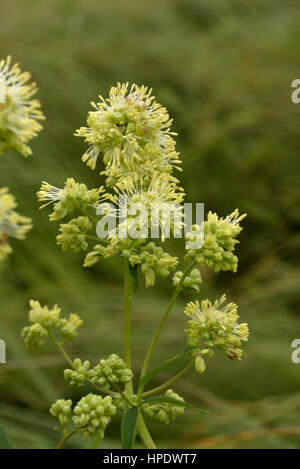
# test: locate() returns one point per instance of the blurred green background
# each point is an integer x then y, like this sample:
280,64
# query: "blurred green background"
223,68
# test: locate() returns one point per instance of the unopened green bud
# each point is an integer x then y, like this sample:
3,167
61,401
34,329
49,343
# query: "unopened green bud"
200,365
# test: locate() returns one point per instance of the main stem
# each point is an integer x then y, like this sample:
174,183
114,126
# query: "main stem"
127,320
144,433
141,425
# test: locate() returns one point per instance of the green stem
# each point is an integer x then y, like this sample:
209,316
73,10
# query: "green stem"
162,323
131,404
100,240
164,386
61,349
144,433
65,439
127,320
69,361
141,426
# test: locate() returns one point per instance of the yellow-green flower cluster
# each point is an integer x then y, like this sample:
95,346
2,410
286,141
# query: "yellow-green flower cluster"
44,320
100,251
131,131
12,224
109,371
79,374
19,113
216,250
153,261
73,234
212,325
92,414
61,409
73,196
165,412
150,210
190,282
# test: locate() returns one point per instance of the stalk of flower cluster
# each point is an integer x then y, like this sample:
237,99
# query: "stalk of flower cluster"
141,425
63,441
169,383
161,325
127,320
70,363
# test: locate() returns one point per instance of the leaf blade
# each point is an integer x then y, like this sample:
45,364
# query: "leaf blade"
144,380
128,427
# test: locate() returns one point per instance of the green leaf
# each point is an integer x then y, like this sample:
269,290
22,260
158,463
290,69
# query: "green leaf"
171,400
128,427
4,441
164,365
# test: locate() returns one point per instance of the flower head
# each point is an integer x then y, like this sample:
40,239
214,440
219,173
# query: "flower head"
110,370
19,114
44,321
165,412
217,241
61,410
213,325
92,414
73,234
130,129
79,374
73,196
148,211
153,261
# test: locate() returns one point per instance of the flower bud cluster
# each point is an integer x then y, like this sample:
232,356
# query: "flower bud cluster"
217,249
109,371
92,414
153,261
43,320
73,234
79,374
191,281
61,409
165,412
100,251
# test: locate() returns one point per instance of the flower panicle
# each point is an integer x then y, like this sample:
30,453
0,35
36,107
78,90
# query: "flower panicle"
132,132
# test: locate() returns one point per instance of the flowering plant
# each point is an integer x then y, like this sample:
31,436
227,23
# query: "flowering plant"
132,134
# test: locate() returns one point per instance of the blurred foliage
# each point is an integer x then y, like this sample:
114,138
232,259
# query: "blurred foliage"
224,69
